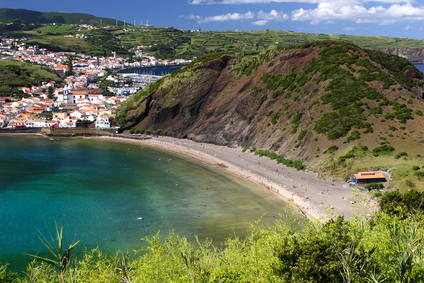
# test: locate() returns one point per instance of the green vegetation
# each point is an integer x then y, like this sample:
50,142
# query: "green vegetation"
302,134
386,246
28,17
355,135
384,149
374,186
401,154
297,164
331,149
61,260
171,43
15,74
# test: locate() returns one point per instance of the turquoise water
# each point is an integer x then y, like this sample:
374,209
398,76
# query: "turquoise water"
112,194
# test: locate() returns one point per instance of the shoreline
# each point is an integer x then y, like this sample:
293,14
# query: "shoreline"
317,199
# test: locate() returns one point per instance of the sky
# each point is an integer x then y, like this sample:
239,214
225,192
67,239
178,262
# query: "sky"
394,18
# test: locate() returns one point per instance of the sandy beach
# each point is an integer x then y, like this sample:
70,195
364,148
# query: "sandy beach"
318,199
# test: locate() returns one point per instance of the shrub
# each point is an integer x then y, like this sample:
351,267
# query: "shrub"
243,148
302,134
374,186
355,135
275,118
419,174
332,149
415,167
383,148
132,130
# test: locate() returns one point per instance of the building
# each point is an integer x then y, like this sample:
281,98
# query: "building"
368,177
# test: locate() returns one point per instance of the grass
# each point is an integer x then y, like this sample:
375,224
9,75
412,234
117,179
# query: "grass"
401,170
173,43
60,42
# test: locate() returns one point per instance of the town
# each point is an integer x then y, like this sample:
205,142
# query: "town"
83,97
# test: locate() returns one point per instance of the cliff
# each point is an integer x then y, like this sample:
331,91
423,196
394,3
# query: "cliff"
295,102
415,55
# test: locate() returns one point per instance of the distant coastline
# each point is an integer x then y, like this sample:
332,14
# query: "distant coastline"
142,70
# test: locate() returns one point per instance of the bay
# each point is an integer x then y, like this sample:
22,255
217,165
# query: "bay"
420,67
112,194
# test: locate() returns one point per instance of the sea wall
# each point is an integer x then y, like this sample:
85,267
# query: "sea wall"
74,132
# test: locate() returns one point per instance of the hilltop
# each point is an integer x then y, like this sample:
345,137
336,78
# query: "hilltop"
34,17
307,102
171,43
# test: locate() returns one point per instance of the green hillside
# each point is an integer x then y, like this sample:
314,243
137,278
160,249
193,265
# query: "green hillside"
167,43
28,17
15,74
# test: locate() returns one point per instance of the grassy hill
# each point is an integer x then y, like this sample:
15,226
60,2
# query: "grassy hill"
15,74
334,106
171,43
28,17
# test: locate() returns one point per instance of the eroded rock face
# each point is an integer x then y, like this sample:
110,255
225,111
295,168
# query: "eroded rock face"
412,74
411,54
215,103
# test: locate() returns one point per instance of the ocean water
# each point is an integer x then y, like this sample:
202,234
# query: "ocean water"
112,194
419,66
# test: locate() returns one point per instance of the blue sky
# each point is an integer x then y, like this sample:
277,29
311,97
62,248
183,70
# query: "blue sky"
396,18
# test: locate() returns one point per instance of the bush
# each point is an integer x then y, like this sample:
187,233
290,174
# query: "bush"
302,134
332,149
355,135
418,113
243,148
132,130
400,154
383,148
374,186
415,168
419,174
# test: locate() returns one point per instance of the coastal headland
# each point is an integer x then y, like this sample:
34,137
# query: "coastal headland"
318,199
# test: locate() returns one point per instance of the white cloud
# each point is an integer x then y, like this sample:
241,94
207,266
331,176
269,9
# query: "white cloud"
227,17
263,18
273,15
329,22
381,12
260,23
239,2
349,28
193,17
358,13
406,28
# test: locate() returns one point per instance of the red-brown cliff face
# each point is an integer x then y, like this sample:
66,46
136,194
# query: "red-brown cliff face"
292,101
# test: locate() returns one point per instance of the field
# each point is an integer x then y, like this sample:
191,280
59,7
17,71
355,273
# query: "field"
170,43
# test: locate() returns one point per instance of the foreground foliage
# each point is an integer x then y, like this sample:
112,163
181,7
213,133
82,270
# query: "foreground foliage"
369,248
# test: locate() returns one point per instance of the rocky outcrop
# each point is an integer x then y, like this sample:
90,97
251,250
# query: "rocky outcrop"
415,55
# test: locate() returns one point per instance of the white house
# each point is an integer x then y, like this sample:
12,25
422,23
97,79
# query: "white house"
102,122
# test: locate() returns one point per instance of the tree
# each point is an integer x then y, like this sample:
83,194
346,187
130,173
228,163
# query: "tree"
70,65
50,92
